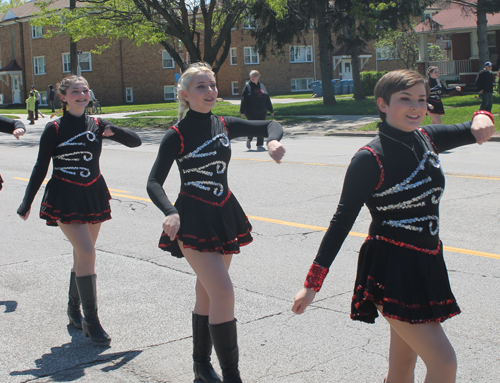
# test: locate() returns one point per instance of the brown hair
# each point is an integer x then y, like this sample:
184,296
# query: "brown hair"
65,83
186,80
394,82
430,70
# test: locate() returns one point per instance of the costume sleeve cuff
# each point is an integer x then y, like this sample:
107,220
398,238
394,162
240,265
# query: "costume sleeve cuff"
315,277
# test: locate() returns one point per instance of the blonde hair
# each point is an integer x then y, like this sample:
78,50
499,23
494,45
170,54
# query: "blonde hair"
63,86
254,73
185,82
430,70
397,81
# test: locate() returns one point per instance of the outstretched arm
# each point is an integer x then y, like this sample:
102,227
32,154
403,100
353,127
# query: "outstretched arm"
123,136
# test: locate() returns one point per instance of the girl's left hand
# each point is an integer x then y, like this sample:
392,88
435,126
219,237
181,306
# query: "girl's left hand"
482,128
18,133
107,132
459,88
276,150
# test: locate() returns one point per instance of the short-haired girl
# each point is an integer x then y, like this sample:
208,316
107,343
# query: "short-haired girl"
76,198
207,224
14,127
401,271
435,105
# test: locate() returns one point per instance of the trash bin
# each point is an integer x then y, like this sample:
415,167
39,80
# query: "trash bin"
317,88
351,86
345,86
337,88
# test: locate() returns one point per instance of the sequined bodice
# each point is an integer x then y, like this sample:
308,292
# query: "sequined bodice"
76,155
204,159
406,205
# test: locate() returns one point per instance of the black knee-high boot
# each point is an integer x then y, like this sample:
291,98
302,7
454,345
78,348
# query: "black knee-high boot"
74,313
88,294
226,347
202,349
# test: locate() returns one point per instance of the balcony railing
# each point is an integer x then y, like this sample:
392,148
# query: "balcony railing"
451,67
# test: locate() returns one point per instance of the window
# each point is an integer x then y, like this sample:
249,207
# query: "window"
301,54
39,65
249,22
1,98
43,98
301,84
85,61
235,88
169,93
251,55
66,61
386,53
168,61
232,55
36,32
129,94
492,45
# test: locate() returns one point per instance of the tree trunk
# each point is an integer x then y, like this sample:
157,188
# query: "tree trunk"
325,53
482,36
356,77
73,56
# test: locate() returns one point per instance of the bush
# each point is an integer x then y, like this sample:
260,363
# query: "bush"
368,81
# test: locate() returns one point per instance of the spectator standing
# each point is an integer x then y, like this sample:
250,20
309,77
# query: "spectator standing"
31,106
484,83
52,98
37,100
255,103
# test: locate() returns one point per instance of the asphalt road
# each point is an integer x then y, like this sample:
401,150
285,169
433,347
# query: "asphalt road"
146,296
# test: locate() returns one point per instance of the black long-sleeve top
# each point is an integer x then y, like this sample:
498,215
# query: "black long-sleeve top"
8,126
378,184
200,145
485,80
61,142
255,99
437,87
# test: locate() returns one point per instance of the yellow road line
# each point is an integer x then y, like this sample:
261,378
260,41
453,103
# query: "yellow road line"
311,227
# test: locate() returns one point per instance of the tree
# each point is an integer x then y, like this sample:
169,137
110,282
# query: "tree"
198,30
403,45
6,5
480,8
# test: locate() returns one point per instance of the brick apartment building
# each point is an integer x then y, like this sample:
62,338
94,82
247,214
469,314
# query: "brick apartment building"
125,73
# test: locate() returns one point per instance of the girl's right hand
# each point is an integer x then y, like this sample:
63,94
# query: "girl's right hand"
171,225
25,217
302,300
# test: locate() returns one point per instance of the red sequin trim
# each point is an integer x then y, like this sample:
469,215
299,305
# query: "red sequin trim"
485,112
418,306
76,183
382,173
315,277
225,125
421,321
429,139
405,245
57,127
181,137
220,204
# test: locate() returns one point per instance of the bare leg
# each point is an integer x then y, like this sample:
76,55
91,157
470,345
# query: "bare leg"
214,281
402,360
429,341
436,118
83,238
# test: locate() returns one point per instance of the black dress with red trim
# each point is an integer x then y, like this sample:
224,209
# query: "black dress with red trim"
211,219
401,267
436,88
76,192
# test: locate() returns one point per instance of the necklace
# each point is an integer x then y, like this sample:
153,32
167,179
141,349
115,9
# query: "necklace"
412,147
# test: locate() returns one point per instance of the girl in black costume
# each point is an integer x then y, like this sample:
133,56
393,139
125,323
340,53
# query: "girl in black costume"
76,198
15,127
434,103
401,270
207,224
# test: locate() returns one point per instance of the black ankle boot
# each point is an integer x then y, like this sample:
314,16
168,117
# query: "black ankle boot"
74,313
88,294
202,349
226,347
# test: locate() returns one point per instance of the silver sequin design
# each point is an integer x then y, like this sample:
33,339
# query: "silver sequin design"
86,156
220,166
415,201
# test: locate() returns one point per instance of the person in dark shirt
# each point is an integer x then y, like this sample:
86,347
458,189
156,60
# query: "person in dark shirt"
52,98
255,103
207,224
401,271
76,197
484,82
